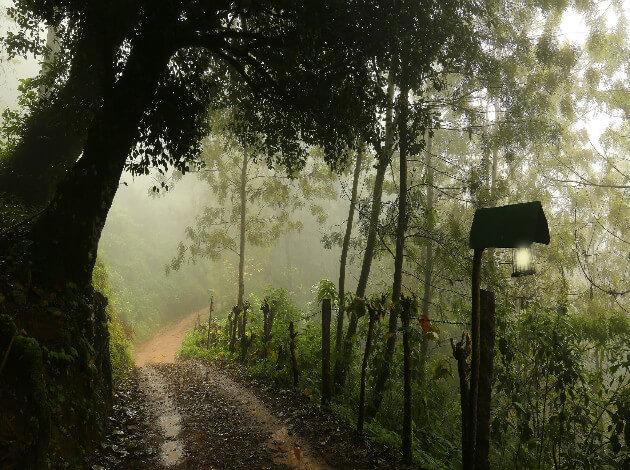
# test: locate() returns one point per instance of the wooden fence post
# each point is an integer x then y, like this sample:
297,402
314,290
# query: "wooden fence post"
209,322
373,313
486,356
292,347
268,315
326,380
461,353
244,334
406,306
234,327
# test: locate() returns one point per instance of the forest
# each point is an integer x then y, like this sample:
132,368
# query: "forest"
315,234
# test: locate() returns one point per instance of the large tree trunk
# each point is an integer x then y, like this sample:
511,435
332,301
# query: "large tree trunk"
242,231
55,134
344,250
65,237
401,227
428,262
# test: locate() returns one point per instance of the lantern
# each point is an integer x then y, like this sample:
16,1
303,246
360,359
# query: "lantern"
522,261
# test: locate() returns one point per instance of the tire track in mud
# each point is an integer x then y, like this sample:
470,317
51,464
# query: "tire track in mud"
163,408
288,450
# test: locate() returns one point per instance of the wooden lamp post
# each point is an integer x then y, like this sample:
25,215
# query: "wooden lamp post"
514,226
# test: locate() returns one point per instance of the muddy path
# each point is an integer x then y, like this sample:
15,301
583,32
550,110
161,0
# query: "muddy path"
174,414
163,346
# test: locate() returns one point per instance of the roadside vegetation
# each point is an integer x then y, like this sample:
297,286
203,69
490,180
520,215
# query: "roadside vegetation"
538,351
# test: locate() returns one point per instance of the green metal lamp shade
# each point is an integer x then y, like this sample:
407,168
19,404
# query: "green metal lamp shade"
511,226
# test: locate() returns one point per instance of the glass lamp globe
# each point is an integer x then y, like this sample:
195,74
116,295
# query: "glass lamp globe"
522,262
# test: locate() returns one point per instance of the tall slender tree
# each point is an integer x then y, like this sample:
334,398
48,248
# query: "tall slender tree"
250,205
384,154
428,259
345,247
401,227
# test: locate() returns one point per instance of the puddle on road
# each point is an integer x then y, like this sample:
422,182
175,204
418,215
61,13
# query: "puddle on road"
169,420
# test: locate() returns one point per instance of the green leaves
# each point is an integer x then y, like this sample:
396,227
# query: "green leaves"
326,290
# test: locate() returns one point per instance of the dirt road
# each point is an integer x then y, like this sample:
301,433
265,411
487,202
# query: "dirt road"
162,348
174,414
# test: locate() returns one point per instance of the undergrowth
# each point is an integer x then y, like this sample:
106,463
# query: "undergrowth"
120,347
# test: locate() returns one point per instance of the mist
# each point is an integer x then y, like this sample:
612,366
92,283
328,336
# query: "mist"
315,235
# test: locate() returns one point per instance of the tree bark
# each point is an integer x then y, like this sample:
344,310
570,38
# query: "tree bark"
344,250
326,380
366,356
486,358
428,262
66,235
242,230
401,227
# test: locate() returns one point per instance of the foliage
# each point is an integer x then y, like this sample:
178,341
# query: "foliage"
552,406
555,399
120,349
326,290
239,179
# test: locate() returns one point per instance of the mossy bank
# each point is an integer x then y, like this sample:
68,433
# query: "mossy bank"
55,374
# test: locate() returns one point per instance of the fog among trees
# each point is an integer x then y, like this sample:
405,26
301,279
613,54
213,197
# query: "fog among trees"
315,234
